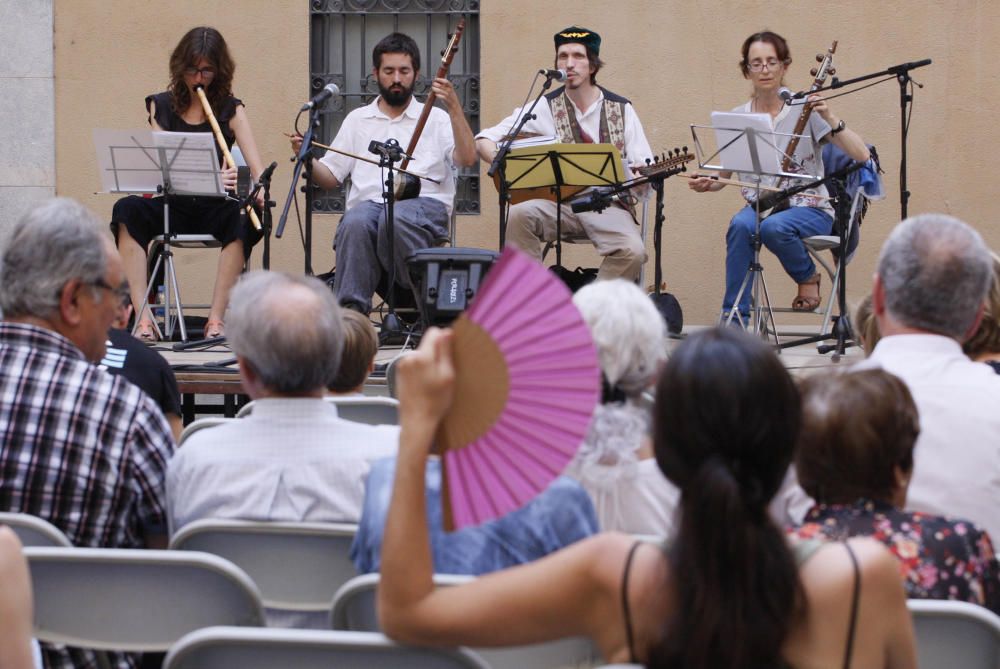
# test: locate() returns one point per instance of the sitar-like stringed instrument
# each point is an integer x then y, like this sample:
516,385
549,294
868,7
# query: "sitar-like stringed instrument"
821,72
407,185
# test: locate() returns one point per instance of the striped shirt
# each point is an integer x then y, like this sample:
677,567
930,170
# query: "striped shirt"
81,448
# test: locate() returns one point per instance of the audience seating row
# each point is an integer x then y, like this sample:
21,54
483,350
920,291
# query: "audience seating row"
147,600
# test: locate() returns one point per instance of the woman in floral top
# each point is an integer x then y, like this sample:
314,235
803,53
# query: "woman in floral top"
854,458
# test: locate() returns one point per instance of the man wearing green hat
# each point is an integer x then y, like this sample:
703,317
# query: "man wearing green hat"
580,112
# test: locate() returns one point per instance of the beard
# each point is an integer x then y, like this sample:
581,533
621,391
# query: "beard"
396,96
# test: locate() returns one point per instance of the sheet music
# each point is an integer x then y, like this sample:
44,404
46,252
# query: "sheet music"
192,164
127,161
731,128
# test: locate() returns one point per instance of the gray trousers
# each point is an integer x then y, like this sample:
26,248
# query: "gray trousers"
362,239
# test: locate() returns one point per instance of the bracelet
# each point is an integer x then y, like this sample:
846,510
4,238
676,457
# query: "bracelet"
839,128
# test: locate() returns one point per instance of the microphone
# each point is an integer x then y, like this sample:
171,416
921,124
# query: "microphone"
786,95
320,98
555,75
598,200
266,174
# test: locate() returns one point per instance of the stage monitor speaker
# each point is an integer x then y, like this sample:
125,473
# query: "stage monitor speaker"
446,279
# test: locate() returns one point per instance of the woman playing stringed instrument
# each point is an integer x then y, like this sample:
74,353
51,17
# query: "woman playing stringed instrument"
200,60
764,60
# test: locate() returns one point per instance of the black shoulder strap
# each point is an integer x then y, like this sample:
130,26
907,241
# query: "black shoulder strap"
854,605
614,97
554,94
628,616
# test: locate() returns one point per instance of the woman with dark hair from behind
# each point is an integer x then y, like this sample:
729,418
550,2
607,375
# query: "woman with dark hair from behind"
984,344
726,592
855,458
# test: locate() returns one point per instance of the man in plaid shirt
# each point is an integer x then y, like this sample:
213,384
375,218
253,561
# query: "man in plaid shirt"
79,447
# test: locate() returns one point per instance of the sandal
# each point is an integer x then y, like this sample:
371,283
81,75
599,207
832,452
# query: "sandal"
214,328
146,332
808,302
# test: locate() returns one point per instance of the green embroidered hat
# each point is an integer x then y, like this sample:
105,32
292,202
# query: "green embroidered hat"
586,37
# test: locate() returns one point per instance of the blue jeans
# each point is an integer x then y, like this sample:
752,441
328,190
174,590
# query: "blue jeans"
782,233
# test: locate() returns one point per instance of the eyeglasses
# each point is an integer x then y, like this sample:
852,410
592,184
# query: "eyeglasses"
205,72
758,65
121,291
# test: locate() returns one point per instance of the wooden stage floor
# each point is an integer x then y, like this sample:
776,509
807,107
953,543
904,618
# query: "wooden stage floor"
210,384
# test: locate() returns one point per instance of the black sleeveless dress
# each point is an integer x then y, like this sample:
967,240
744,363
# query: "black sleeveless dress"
219,217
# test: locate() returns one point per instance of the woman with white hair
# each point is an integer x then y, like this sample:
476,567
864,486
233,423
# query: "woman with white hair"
615,463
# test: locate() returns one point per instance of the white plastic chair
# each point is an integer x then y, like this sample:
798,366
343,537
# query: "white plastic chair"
135,600
354,609
954,634
227,647
34,531
297,566
201,424
356,408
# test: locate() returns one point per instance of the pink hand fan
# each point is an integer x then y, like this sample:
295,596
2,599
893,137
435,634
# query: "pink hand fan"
527,381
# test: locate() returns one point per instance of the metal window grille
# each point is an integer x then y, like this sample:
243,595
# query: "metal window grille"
342,35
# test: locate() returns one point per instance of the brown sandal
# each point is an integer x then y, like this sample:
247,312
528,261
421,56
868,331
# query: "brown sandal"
808,302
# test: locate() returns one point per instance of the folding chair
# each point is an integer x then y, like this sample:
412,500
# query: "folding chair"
848,224
135,600
297,566
174,311
360,409
34,531
354,609
227,647
201,424
955,634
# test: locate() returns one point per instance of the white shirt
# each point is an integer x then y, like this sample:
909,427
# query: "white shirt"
641,501
956,470
433,156
636,146
290,460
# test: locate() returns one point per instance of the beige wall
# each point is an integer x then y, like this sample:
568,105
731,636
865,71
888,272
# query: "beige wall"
675,60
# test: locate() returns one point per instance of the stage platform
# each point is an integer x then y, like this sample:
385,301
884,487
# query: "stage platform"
210,385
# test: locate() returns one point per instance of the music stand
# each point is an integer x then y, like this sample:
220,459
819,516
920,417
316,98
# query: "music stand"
170,163
560,171
747,145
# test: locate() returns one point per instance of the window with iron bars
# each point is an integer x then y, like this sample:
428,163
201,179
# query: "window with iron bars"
342,35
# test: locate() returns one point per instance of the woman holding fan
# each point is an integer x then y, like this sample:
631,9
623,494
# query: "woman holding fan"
725,591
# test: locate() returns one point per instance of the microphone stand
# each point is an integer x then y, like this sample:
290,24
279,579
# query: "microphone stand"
389,153
906,82
266,219
303,160
500,159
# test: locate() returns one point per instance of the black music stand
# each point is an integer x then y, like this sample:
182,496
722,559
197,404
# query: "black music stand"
563,170
750,151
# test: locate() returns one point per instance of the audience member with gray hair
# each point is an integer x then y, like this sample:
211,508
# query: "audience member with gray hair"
930,286
293,458
83,449
615,463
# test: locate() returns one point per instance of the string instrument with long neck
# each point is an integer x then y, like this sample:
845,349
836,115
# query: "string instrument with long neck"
820,73
788,162
407,185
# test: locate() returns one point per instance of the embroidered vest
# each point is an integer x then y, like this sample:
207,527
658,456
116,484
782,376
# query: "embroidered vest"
612,127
